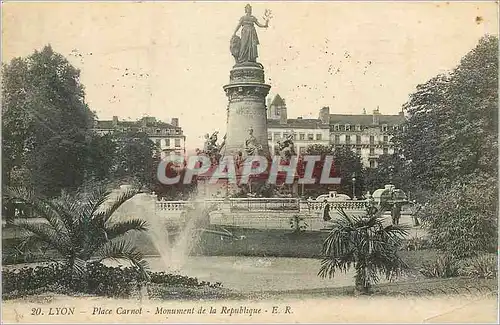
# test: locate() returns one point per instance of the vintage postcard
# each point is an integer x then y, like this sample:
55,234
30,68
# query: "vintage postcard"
260,162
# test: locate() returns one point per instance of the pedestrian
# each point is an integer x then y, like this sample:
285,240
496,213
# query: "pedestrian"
395,213
326,212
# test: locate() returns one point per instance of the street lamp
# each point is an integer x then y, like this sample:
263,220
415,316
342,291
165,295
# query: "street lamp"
354,186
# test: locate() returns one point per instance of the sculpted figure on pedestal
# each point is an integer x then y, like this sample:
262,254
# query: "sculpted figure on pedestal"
252,146
244,48
210,148
286,148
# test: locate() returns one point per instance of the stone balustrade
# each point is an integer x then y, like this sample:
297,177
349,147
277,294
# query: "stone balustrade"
261,204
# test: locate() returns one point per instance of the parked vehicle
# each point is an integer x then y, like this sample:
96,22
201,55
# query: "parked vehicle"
332,196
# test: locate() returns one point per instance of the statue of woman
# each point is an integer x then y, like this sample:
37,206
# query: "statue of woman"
249,40
252,146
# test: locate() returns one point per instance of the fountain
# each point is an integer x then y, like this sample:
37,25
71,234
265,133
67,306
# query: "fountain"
173,238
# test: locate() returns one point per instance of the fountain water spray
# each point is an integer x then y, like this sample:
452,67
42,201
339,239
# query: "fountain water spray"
173,237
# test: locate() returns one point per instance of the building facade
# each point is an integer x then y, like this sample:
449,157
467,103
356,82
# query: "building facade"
305,132
168,137
369,135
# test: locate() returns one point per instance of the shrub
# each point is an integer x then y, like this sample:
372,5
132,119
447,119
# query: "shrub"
417,243
484,266
298,224
462,219
102,280
442,267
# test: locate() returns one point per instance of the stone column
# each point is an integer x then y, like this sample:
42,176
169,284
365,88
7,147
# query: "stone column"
246,110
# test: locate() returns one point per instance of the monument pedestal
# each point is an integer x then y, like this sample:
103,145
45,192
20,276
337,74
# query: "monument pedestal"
246,111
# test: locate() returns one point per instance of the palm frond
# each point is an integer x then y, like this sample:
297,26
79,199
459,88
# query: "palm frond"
79,267
102,215
46,233
122,248
20,193
330,265
121,228
54,210
94,200
44,208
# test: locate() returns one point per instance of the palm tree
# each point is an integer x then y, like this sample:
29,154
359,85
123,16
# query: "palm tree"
364,243
78,227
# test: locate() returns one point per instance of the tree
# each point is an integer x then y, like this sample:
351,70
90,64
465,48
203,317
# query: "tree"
391,169
80,227
346,164
365,244
452,127
45,122
450,144
134,157
178,191
101,156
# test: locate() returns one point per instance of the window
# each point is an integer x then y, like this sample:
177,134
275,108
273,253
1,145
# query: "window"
158,131
347,139
336,127
302,150
384,128
277,135
358,139
358,127
372,139
386,151
158,142
358,151
310,136
269,136
318,136
347,127
337,139
167,142
372,151
302,136
177,142
372,164
386,138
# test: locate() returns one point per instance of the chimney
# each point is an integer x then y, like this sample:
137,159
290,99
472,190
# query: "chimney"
283,116
376,116
175,121
115,120
324,115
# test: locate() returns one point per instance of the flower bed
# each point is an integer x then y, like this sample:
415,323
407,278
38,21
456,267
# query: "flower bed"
100,280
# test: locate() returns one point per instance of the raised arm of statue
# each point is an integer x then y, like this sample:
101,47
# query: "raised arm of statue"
261,25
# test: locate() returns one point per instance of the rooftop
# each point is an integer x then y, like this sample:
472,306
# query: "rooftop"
298,123
144,122
366,119
278,101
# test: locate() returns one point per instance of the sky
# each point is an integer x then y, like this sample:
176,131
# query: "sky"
171,59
